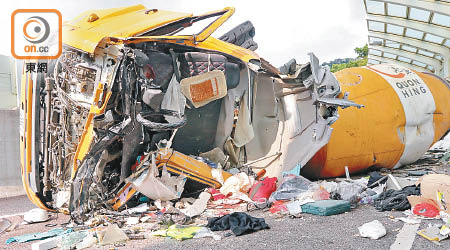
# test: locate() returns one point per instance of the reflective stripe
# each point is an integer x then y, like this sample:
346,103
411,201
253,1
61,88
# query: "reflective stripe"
418,105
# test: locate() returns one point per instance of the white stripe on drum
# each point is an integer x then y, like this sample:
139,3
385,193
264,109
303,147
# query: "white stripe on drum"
418,105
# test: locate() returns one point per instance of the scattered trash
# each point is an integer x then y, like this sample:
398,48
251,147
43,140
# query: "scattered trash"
68,241
373,230
198,206
291,187
426,209
321,194
376,178
326,207
432,234
237,183
278,207
88,241
47,244
132,221
239,223
445,217
216,195
164,188
347,190
154,135
205,232
5,224
409,220
36,215
112,234
38,236
437,188
445,230
178,232
294,207
138,209
396,200
393,183
261,190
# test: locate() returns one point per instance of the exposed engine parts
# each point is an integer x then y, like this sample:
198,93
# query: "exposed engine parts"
103,118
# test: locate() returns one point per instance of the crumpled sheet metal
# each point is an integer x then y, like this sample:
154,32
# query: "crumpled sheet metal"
163,188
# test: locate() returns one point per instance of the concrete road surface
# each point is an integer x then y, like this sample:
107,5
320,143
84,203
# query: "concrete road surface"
308,232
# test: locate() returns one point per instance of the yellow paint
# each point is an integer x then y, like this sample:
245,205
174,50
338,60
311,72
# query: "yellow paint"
184,164
229,11
121,25
25,142
373,135
125,24
88,132
116,22
123,196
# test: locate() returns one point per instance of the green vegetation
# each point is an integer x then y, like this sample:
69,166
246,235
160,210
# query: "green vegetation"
361,60
362,51
354,63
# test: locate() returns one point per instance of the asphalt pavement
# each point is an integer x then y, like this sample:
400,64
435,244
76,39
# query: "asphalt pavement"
308,232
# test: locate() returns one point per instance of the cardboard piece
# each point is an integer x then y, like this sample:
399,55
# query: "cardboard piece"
414,200
436,187
204,88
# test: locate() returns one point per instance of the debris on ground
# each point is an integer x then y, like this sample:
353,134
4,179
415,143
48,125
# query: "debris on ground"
36,215
373,230
239,223
5,224
326,207
38,236
147,136
224,205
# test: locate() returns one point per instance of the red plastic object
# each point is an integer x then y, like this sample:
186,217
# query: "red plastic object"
215,194
262,190
260,174
426,209
278,206
321,194
138,161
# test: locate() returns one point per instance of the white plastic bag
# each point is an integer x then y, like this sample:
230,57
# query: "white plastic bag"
173,99
373,230
236,183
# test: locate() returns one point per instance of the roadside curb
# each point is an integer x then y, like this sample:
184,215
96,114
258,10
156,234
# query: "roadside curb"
11,191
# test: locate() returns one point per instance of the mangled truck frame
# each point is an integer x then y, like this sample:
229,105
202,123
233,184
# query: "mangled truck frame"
130,99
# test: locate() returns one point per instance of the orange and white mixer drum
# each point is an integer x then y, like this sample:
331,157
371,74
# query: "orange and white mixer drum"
405,113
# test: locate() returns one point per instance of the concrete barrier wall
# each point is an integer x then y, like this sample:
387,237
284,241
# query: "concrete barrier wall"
9,123
9,148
